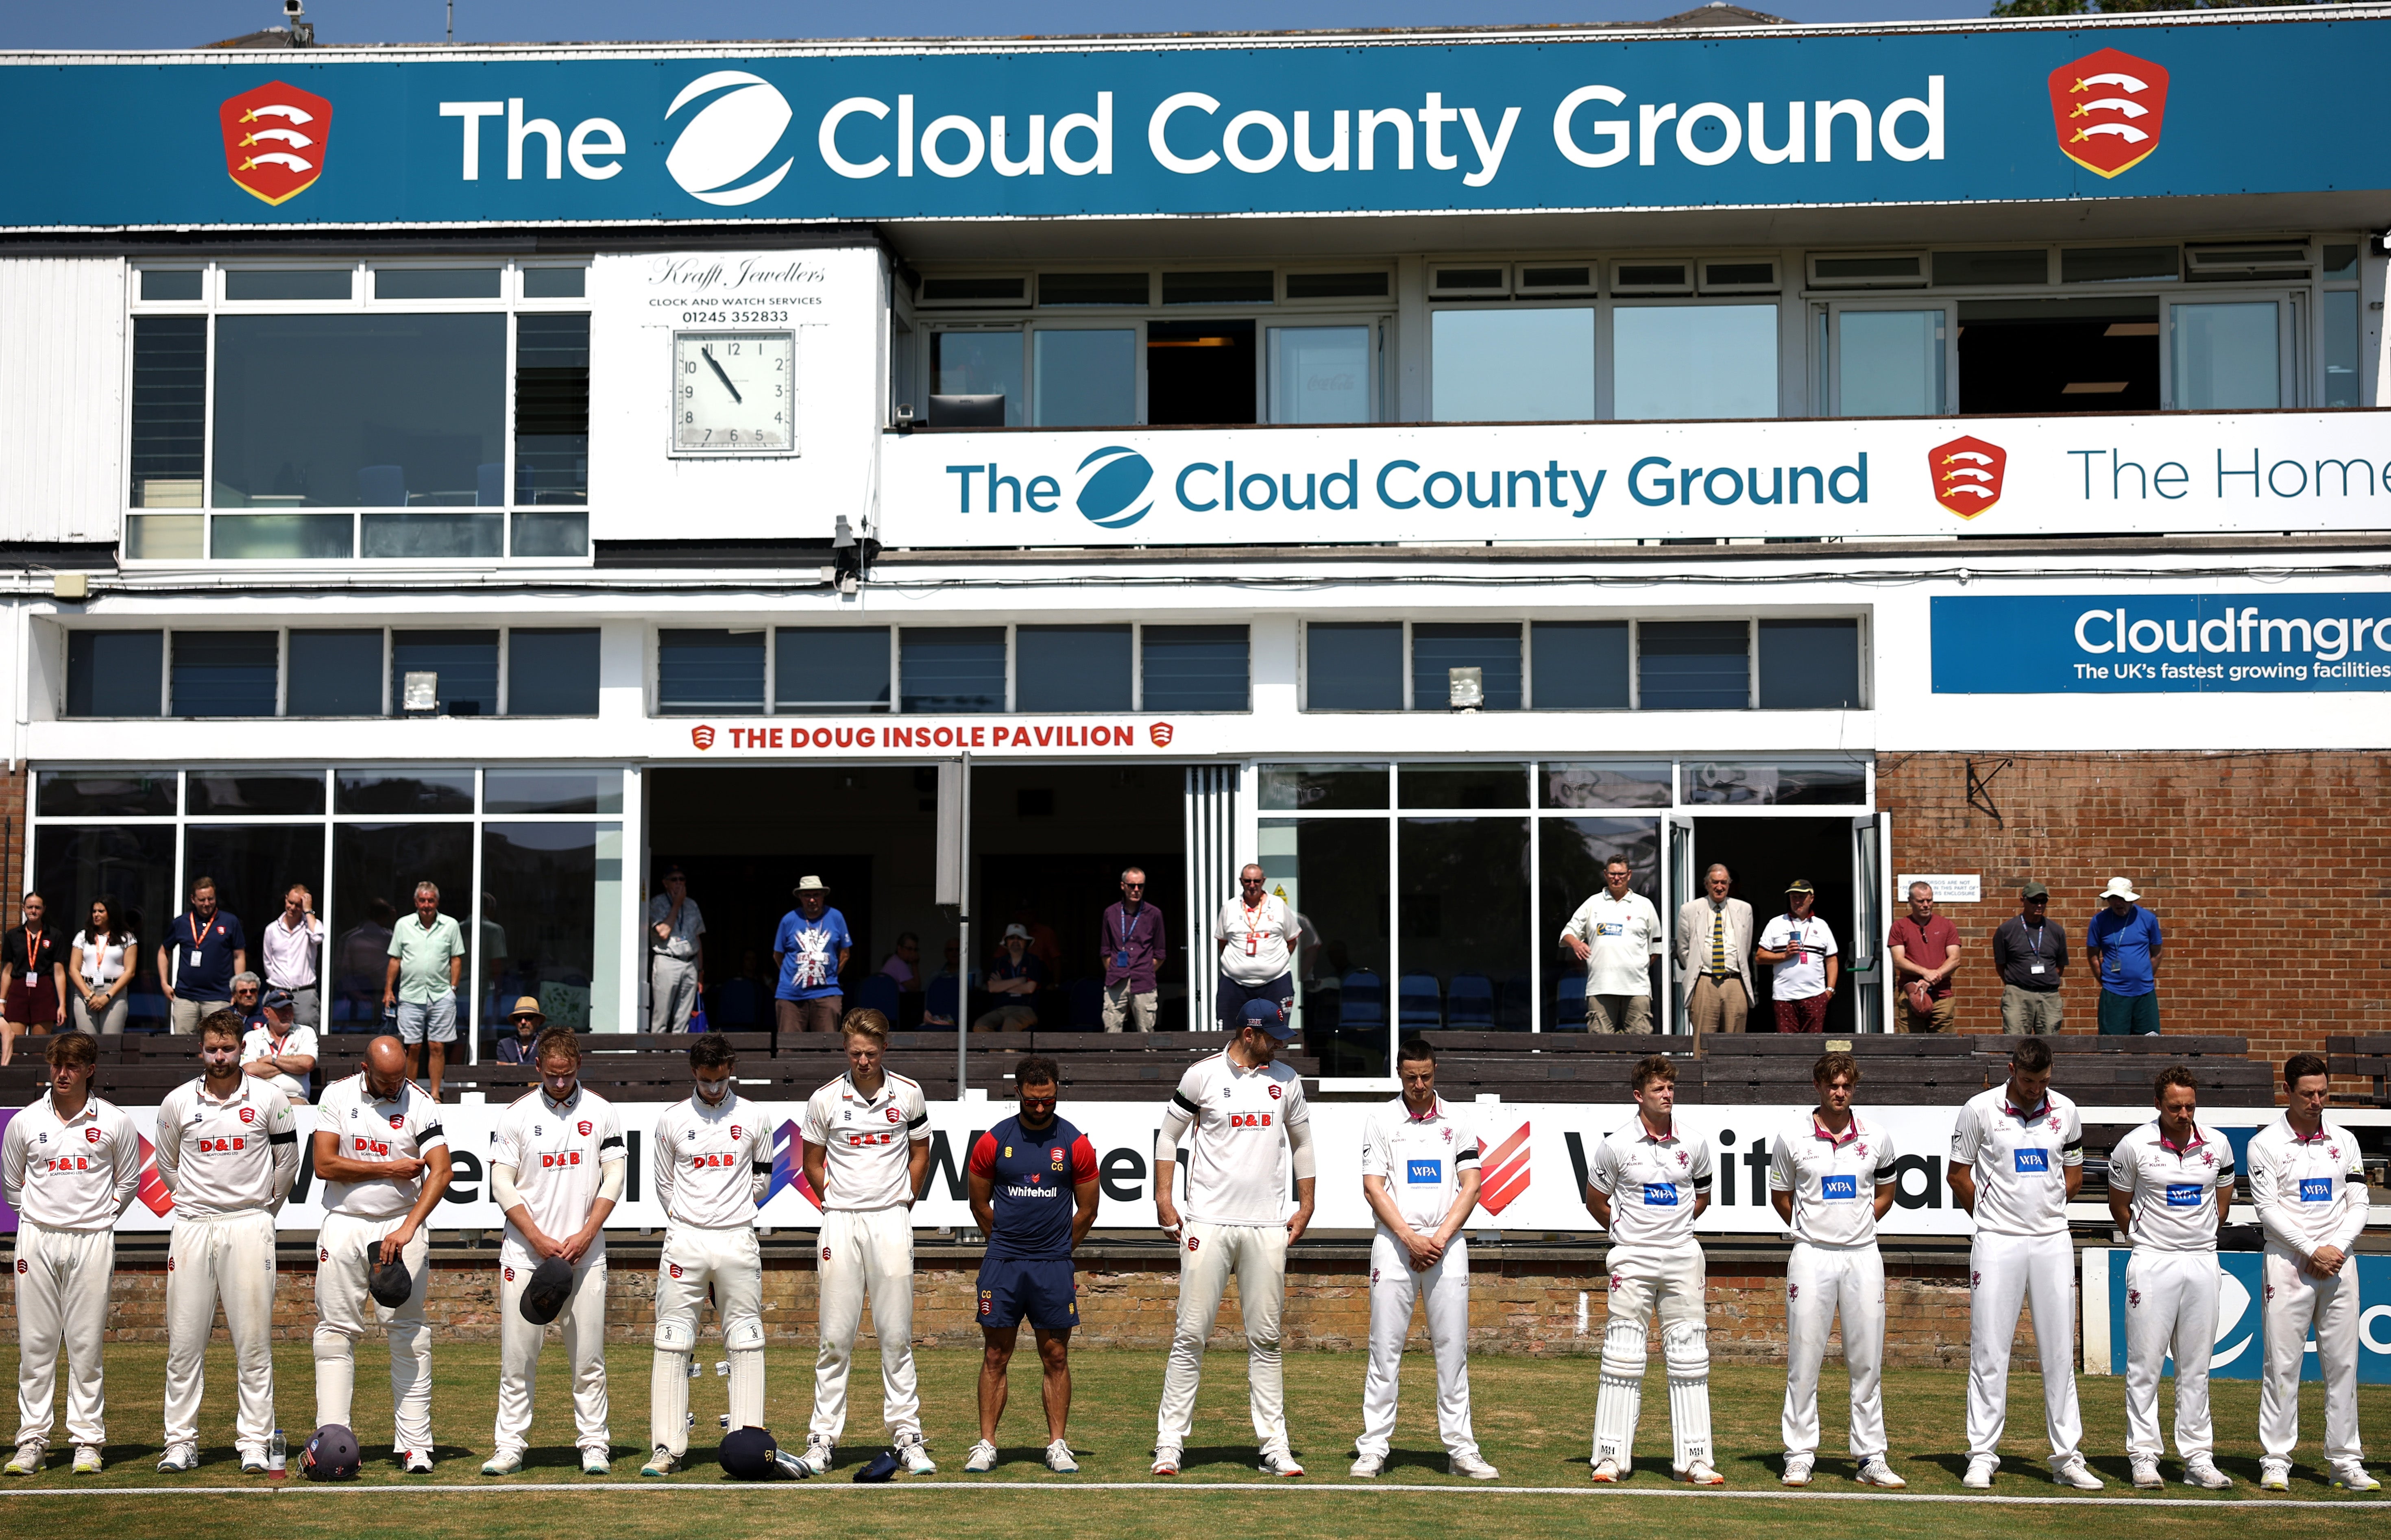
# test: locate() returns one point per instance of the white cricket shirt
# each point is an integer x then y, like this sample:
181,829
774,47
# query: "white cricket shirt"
1833,1178
1255,941
868,1141
261,1043
2309,1192
708,1160
1421,1159
2020,1157
2174,1189
71,1173
1239,1169
230,1157
1802,973
373,1130
556,1149
1624,936
1652,1181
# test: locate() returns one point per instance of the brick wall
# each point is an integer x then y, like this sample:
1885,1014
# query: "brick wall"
13,830
2268,872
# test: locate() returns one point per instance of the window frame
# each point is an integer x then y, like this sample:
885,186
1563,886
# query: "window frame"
1829,384
282,671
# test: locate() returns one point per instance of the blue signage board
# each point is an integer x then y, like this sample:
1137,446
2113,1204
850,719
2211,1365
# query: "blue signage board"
2240,1351
2049,644
1784,118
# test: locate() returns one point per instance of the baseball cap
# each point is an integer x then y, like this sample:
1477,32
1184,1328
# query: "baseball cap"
276,1000
882,1466
1012,931
391,1283
331,1455
746,1454
544,1296
1266,1015
1800,884
2034,891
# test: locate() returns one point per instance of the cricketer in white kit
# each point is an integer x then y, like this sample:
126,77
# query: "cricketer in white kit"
867,1152
2309,1187
70,1165
1647,1184
1831,1179
713,1161
383,1158
2170,1188
1250,1127
2017,1157
227,1148
556,1173
1420,1175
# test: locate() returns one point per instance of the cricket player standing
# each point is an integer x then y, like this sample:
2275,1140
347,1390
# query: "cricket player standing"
1250,1126
227,1149
714,1164
2017,1157
1647,1186
556,1173
2310,1190
70,1165
384,1160
1831,1180
1420,1175
867,1152
2170,1187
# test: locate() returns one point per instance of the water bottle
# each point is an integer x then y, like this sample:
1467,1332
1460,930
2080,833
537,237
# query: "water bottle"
278,1458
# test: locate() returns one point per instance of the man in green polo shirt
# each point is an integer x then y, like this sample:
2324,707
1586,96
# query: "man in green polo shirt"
427,962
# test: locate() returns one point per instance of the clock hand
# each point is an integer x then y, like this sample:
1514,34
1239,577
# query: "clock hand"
720,375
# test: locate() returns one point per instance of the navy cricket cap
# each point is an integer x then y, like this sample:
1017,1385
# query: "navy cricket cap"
391,1283
278,999
1270,1017
331,1455
882,1466
746,1454
544,1296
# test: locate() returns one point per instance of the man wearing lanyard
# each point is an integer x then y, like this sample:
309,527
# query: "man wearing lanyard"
293,945
205,948
2030,953
279,1050
1257,933
1802,951
676,954
1616,934
2124,943
1133,946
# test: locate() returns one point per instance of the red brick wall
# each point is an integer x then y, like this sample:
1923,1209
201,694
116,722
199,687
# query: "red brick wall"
2268,872
13,832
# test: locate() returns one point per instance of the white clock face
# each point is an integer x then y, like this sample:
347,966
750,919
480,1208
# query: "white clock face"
734,393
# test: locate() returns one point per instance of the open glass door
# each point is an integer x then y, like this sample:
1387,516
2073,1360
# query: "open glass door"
1677,863
1864,953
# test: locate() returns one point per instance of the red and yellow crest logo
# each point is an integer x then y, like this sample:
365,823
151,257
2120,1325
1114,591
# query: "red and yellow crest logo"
274,137
2108,107
1966,474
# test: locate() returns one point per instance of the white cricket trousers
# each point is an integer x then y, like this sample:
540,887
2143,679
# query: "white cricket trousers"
1822,1282
346,1250
2294,1302
731,1263
2006,1271
867,1254
229,1257
1669,1293
2170,1309
1444,1286
1208,1255
62,1278
584,1324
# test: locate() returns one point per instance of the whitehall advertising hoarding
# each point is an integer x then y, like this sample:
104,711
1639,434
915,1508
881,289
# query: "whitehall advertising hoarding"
1480,122
2113,643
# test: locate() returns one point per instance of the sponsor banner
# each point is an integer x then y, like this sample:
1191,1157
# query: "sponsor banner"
1890,478
1331,125
2159,644
2240,1351
763,739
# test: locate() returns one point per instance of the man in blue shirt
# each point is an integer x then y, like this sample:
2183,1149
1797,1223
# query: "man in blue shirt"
1019,1172
2124,943
811,950
203,947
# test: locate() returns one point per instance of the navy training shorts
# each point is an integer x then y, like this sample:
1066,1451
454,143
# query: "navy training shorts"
1040,1287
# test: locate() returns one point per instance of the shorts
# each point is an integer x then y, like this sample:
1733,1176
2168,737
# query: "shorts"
436,1022
1040,1288
1233,996
2128,1014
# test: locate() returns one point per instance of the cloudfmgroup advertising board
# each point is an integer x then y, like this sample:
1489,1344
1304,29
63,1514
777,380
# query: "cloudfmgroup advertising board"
2114,643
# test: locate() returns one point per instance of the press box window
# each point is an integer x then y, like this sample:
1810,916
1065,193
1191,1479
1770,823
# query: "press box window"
1353,667
975,378
704,672
1195,667
1693,665
462,670
115,673
552,672
829,668
1439,652
170,403
1199,372
1809,665
1686,361
1580,665
952,668
334,673
1512,365
226,673
1064,668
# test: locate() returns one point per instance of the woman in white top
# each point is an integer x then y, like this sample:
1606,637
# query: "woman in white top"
97,967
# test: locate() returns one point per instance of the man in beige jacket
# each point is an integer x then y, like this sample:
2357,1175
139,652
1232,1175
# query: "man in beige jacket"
1715,956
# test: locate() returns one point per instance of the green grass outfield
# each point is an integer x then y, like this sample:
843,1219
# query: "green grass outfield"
1532,1416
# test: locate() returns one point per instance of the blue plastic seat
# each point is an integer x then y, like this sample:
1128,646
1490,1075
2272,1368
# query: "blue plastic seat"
881,993
1568,1004
1469,1003
1364,1000
1515,1003
1420,1001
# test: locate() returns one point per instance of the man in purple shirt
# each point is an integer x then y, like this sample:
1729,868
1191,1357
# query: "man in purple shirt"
1132,950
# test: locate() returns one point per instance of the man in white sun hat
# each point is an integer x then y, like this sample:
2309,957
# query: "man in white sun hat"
2123,942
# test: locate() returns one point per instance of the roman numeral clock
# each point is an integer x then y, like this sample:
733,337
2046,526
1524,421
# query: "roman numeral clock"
734,393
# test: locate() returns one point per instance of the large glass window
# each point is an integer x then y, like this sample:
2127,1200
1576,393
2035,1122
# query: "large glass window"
827,668
1580,665
2338,310
115,673
1694,665
1353,667
1199,372
1572,855
254,865
1512,365
375,868
2228,357
1335,874
1889,363
552,672
130,865
1084,378
1680,361
335,674
952,668
977,363
2060,356
1072,668
1462,913
1195,667
552,893
1439,650
226,673
1320,374
1809,665
701,673
170,399
464,666
1323,788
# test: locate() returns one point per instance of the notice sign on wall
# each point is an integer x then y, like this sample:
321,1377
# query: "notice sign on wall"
2151,644
1950,887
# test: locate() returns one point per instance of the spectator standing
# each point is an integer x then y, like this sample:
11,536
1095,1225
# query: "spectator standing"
1256,932
1616,934
2030,952
2123,942
1925,949
1714,955
204,949
33,978
1015,976
427,962
526,1019
359,959
676,954
99,967
1132,946
278,1049
294,949
811,950
1805,967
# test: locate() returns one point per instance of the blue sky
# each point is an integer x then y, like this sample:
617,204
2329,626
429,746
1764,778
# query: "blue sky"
183,24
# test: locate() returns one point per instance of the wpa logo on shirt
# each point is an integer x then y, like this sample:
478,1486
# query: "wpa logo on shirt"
2033,1162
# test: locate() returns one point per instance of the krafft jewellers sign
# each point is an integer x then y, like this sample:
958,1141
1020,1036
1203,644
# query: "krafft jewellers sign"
1874,478
2149,644
1335,125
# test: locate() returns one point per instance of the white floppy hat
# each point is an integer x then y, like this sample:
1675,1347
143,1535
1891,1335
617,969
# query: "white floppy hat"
2120,888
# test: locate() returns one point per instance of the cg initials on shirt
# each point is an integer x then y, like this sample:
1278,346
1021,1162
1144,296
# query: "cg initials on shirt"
550,1162
1249,1119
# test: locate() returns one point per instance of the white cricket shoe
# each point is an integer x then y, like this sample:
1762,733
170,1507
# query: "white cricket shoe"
1980,1472
2200,1471
419,1462
29,1458
253,1462
1165,1460
179,1458
1798,1469
87,1461
2275,1475
1702,1473
1060,1460
981,1461
2351,1476
660,1462
506,1462
2146,1472
1368,1466
1873,1471
596,1461
1473,1466
819,1453
1280,1462
916,1456
1607,1470
2075,1473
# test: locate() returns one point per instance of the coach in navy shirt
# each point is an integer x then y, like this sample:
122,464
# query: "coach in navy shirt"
1033,1194
203,947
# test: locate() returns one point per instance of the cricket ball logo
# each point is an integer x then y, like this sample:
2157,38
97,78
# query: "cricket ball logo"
2109,109
1966,474
274,139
